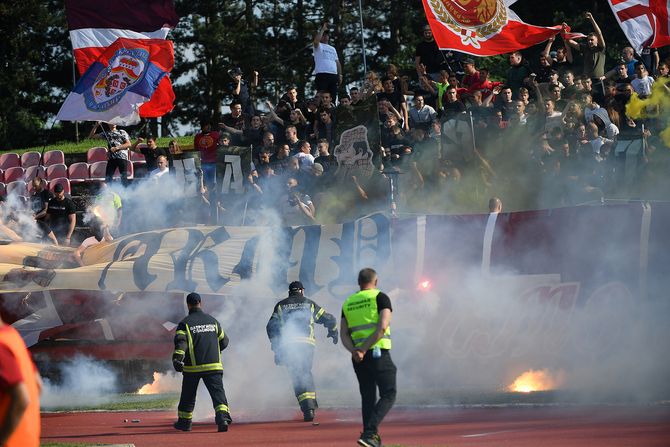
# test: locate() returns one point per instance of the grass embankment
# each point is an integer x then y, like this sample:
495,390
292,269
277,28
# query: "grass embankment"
69,147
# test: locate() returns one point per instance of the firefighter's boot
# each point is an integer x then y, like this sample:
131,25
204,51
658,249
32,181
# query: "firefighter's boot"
183,424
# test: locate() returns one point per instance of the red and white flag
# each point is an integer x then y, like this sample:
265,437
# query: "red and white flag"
644,22
482,27
95,24
124,77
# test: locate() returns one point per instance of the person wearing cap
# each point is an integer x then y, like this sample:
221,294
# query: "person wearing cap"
291,333
198,343
61,215
241,91
365,330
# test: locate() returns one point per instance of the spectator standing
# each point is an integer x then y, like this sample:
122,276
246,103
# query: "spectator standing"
421,115
428,59
241,91
235,119
162,169
643,82
20,387
517,72
206,142
151,151
396,98
61,212
39,203
325,158
118,142
593,51
327,67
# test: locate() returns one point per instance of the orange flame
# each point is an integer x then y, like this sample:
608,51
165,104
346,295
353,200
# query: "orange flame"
537,380
162,383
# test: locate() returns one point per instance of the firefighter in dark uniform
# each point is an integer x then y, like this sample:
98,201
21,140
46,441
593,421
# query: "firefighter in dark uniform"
291,334
198,343
366,333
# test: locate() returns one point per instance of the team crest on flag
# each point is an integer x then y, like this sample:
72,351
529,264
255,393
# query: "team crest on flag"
124,70
472,20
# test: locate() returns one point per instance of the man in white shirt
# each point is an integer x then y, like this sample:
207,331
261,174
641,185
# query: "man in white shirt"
327,67
642,82
161,170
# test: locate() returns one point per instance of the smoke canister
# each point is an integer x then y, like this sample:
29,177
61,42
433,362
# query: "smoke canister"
376,352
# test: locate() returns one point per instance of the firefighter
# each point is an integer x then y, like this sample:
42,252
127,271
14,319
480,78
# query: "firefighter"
291,334
366,333
198,343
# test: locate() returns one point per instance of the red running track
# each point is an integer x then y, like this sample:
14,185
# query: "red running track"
547,426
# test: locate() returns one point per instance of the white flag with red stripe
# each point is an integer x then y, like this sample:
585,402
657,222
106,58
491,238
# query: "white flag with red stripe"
482,27
644,22
95,24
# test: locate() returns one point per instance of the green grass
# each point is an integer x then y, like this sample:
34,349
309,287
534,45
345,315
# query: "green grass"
69,147
128,402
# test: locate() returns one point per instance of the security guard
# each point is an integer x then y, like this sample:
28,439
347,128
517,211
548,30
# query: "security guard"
291,334
198,343
366,333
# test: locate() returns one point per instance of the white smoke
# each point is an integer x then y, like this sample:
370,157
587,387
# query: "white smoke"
84,382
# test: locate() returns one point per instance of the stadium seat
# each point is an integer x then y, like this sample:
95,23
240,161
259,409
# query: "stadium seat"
54,157
96,154
31,158
3,190
61,181
130,172
78,172
56,171
17,188
35,171
2,176
137,157
96,171
9,160
14,174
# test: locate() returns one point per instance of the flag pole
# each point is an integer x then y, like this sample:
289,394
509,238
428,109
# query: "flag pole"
360,16
74,83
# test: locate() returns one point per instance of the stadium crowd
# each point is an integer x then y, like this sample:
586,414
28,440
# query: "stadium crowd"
555,131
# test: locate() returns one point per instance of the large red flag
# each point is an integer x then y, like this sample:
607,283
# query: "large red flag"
482,27
645,22
95,24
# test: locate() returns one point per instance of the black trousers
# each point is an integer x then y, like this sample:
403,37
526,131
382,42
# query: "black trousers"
114,163
298,358
372,374
214,383
328,83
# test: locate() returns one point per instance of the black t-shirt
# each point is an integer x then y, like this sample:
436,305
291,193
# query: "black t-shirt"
151,156
329,163
430,56
383,302
396,98
58,212
38,200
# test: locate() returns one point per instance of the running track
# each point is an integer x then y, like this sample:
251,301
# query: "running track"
527,426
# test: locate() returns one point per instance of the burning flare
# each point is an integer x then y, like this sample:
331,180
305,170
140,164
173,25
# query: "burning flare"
163,383
537,380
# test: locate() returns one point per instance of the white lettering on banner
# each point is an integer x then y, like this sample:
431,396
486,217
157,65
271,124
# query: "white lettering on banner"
232,175
186,175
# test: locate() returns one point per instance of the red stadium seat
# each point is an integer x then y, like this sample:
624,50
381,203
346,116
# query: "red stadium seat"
136,157
31,158
78,172
61,181
9,160
96,171
56,171
17,188
2,176
54,157
35,171
3,190
96,154
14,174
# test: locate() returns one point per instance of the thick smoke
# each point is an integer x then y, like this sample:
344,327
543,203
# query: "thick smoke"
84,382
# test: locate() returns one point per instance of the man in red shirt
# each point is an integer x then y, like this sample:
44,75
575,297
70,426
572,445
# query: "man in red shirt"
20,387
206,142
